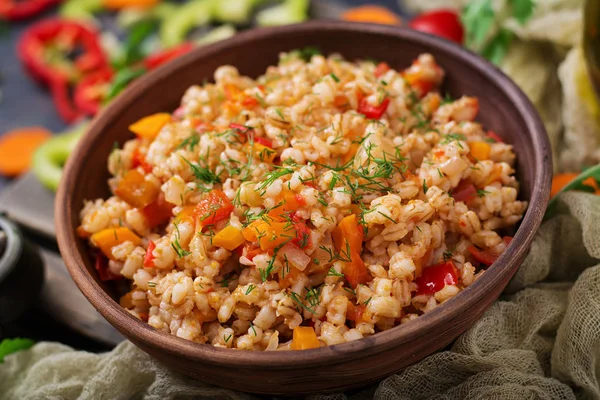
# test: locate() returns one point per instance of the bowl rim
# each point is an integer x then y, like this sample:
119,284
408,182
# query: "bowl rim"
428,323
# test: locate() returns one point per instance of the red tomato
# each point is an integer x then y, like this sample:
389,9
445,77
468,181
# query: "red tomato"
381,69
354,312
436,277
442,23
302,238
487,257
158,213
465,192
139,160
213,208
149,258
370,111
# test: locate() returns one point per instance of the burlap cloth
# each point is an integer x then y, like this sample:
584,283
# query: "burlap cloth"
541,340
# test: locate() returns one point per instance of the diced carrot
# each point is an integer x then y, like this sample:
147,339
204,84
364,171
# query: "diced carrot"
480,150
136,190
351,231
341,101
106,239
149,127
373,14
303,338
17,148
561,180
229,238
355,271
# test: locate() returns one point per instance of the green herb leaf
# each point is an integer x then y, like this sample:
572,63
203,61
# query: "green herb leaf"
478,18
122,79
137,35
522,10
496,49
10,346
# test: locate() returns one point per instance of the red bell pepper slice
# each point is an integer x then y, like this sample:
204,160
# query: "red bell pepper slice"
434,278
370,111
104,272
59,87
158,213
91,91
149,257
12,10
213,208
465,192
487,257
156,60
264,141
66,36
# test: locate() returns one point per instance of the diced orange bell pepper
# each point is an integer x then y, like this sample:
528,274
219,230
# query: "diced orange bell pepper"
495,175
229,238
480,150
149,127
188,213
269,234
136,190
213,208
232,92
108,238
289,278
264,153
304,338
349,229
356,271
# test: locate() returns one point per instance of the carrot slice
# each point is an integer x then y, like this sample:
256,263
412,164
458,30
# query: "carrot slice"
374,14
561,180
17,148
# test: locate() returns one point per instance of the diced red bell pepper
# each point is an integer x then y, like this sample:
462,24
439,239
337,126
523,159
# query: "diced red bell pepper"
264,141
303,232
60,89
139,160
91,91
493,135
13,10
381,69
370,111
249,101
149,257
354,312
213,208
487,257
465,192
434,278
158,212
104,272
158,59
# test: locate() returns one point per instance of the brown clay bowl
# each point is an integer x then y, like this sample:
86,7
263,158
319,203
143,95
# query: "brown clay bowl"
504,109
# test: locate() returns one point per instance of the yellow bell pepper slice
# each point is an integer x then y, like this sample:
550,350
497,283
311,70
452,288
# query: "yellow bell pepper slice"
480,150
108,238
148,127
304,338
229,238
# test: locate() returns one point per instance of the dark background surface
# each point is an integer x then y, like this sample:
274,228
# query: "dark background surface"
24,103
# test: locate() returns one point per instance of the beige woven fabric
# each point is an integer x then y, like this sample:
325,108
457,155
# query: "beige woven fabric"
541,340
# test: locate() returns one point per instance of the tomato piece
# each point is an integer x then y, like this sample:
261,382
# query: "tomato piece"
302,238
213,208
493,135
136,190
487,257
249,101
465,192
434,278
370,111
442,23
104,272
354,312
149,257
381,69
251,251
